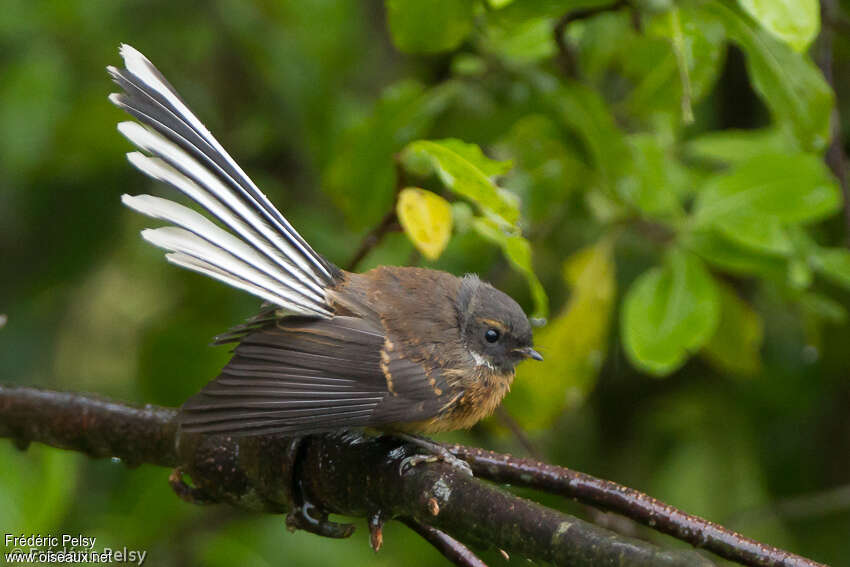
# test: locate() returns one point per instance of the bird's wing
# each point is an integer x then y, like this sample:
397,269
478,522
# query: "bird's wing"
254,248
303,376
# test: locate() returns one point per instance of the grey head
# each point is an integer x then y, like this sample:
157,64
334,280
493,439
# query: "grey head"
493,326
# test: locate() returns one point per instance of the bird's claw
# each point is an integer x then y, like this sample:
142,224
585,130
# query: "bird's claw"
310,518
304,514
187,493
413,460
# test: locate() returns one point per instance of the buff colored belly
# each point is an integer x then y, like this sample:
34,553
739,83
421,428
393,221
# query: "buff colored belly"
478,401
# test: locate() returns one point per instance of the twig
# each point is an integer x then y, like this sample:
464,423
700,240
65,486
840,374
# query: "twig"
388,224
518,432
567,59
629,502
451,548
374,237
835,158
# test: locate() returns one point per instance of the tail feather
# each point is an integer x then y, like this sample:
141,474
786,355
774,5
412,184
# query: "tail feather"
188,157
209,270
151,90
214,236
241,221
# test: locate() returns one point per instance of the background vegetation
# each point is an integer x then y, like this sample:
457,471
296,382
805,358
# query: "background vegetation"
653,182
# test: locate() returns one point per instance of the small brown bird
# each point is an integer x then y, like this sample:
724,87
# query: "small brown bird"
398,349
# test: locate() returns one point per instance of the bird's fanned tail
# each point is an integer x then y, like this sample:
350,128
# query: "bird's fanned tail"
260,252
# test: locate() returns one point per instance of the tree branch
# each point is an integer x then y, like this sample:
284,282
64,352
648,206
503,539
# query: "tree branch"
88,424
629,502
356,475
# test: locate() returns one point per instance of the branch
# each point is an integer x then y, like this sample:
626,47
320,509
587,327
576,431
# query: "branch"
374,237
567,58
355,475
347,474
88,424
388,224
455,551
629,502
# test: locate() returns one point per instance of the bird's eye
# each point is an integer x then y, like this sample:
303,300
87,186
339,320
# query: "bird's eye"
492,335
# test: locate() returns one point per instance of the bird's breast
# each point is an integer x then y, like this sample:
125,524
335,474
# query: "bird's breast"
476,400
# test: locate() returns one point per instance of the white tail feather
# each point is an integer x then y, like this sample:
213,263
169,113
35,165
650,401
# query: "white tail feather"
177,239
191,263
190,168
158,169
264,255
139,66
198,224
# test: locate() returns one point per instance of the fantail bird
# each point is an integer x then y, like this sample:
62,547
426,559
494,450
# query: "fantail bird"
396,348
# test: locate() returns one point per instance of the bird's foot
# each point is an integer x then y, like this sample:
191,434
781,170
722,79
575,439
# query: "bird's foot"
437,453
310,518
305,515
187,493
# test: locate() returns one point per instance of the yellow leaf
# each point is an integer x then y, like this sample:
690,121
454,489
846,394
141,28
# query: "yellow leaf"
574,344
426,219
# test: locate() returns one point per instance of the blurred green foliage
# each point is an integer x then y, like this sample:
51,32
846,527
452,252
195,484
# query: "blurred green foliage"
660,184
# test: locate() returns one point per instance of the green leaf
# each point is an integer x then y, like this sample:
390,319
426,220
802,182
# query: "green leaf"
602,42
426,219
792,188
675,64
735,345
824,308
728,255
834,264
583,110
796,22
464,169
659,178
518,252
361,178
473,154
735,146
669,313
574,342
763,233
429,26
522,42
799,274
788,82
546,171
468,64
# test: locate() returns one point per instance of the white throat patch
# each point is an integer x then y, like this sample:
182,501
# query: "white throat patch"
481,360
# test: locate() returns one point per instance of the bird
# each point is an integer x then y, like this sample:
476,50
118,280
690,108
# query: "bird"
405,350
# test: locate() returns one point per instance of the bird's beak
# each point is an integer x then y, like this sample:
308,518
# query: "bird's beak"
529,352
